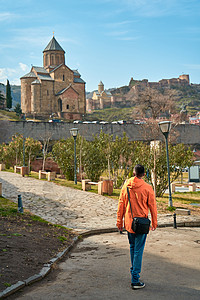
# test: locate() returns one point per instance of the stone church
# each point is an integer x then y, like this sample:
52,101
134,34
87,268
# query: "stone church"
53,88
100,99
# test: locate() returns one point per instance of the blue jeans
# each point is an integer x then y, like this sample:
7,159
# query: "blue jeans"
137,243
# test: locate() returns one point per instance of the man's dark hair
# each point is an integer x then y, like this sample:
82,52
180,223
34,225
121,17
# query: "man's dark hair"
139,170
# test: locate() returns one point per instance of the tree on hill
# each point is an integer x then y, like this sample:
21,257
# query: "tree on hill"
18,109
8,95
2,100
153,102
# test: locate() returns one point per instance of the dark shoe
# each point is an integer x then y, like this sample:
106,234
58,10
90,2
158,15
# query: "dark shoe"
138,285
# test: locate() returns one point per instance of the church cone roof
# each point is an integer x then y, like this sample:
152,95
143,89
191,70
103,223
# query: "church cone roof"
53,45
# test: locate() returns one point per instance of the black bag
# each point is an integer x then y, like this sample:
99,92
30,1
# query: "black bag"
139,225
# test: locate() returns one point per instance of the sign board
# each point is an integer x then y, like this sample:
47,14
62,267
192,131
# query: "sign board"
194,174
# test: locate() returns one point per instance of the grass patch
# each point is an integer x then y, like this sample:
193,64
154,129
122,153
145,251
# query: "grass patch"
111,114
171,208
62,238
16,234
8,115
7,207
38,219
7,284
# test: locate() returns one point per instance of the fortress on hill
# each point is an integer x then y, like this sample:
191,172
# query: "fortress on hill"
53,88
124,96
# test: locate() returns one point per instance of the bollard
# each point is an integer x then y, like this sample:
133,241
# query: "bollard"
20,205
0,189
175,226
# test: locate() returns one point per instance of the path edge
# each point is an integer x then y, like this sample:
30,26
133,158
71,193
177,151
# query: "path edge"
46,269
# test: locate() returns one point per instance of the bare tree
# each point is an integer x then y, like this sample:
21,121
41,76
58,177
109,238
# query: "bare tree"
153,102
45,140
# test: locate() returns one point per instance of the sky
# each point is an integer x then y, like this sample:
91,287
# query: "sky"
107,40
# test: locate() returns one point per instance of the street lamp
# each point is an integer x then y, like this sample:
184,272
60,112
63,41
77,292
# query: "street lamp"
165,127
74,133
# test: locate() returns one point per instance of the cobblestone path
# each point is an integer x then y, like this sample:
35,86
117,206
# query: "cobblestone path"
66,206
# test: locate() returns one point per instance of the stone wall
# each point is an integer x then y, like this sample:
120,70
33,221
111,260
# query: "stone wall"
186,133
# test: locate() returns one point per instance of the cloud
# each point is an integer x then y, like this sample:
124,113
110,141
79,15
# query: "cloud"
159,8
121,31
38,36
128,38
23,67
6,73
5,16
117,33
122,35
118,24
13,75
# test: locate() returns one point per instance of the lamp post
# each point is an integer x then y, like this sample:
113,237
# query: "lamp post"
165,129
74,133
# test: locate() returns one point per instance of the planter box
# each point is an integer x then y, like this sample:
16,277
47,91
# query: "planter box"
2,167
107,187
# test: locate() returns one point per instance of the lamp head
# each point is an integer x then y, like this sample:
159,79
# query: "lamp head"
74,132
165,127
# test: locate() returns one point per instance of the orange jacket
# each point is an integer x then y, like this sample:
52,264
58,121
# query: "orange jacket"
142,197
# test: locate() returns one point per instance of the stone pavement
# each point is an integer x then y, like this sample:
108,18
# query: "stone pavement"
98,268
72,208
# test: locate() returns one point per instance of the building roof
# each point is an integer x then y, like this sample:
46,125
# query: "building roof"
53,45
40,70
56,68
63,90
78,80
76,73
100,83
30,74
45,77
36,82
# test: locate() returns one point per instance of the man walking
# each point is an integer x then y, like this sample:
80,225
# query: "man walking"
142,198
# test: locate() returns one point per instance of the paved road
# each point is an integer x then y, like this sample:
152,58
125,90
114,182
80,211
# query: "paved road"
98,268
61,205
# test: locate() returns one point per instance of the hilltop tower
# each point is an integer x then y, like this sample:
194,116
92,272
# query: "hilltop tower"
185,77
100,87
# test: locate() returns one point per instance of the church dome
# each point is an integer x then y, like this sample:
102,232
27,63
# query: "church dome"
53,45
53,55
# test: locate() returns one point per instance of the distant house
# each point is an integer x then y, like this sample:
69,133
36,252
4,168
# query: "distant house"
195,120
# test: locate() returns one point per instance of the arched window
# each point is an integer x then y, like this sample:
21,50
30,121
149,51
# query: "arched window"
59,104
52,60
67,106
57,59
46,60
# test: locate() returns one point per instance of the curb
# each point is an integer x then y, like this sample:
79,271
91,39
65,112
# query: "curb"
47,267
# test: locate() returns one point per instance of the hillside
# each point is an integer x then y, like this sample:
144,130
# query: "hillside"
185,94
141,98
15,92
